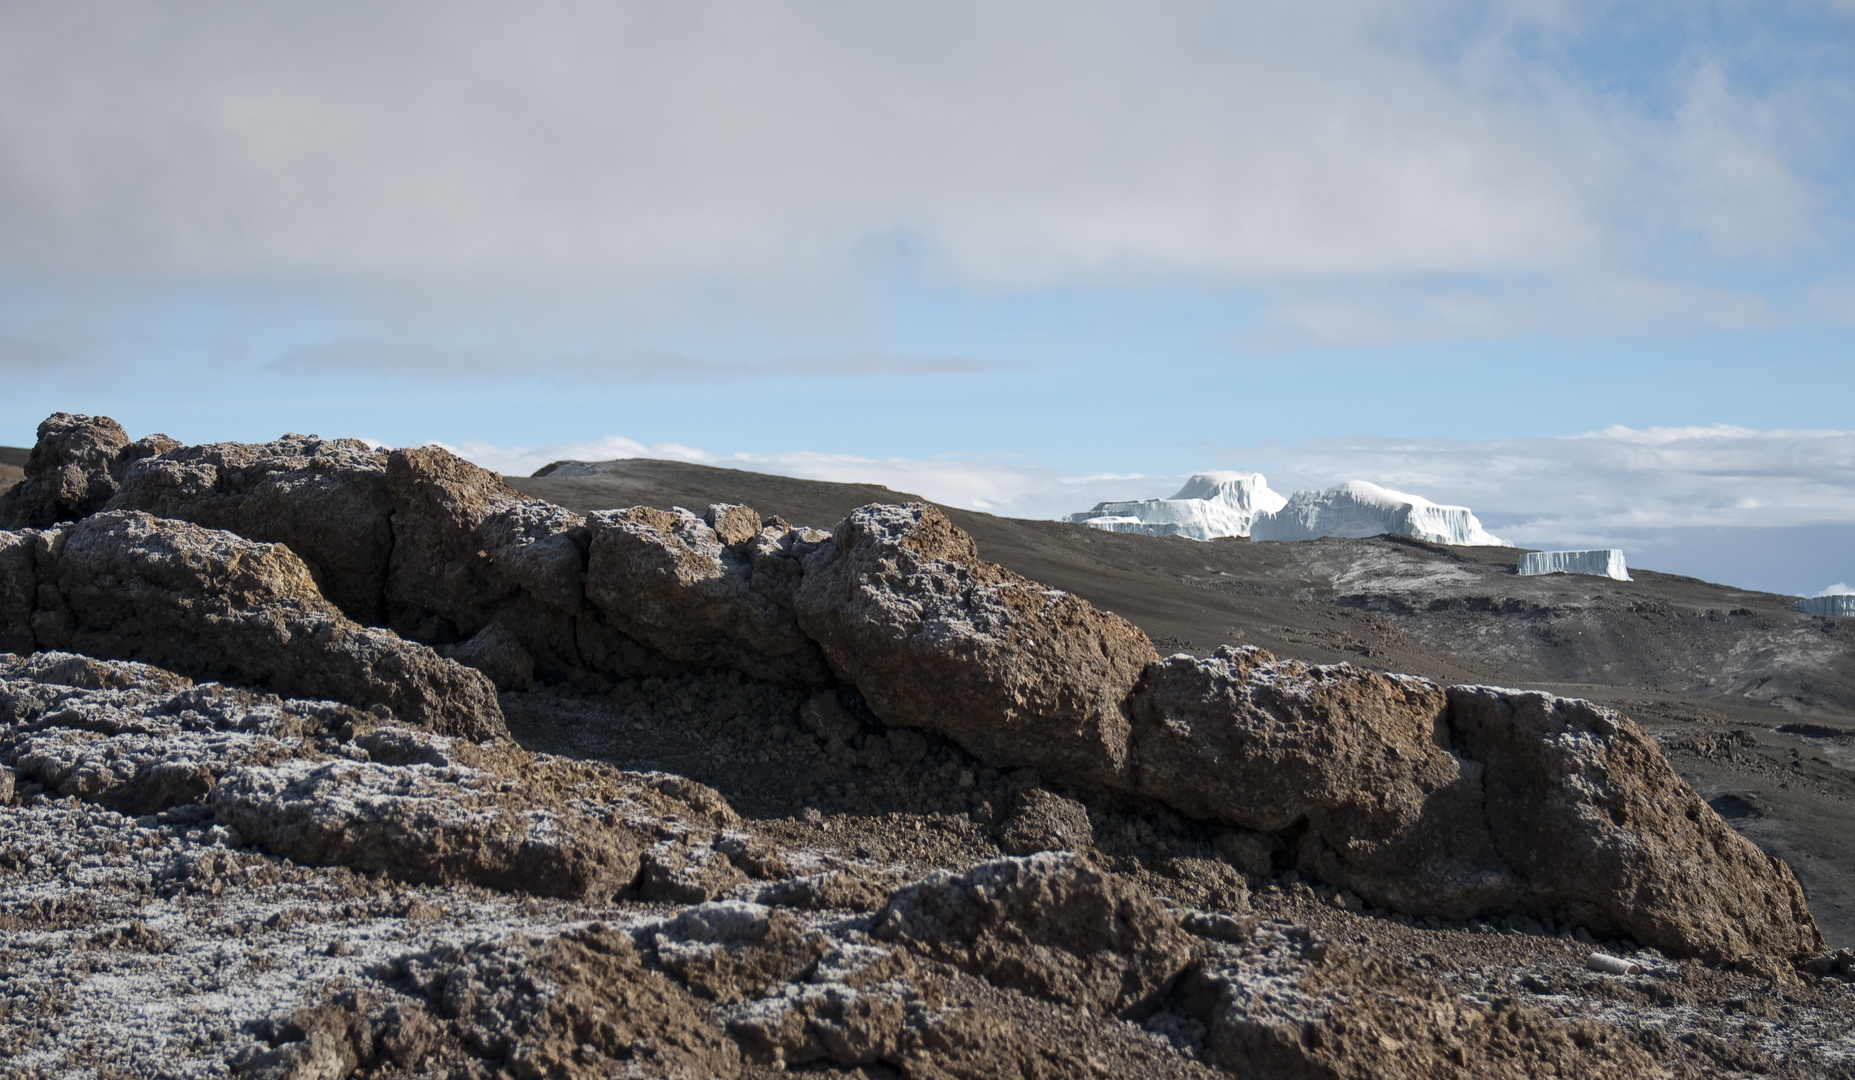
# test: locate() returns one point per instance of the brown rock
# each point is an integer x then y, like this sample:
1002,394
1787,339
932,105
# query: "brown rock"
1044,821
1289,1006
424,824
496,653
1586,809
1050,925
580,1006
734,524
1350,759
69,474
212,605
730,951
937,638
324,498
665,578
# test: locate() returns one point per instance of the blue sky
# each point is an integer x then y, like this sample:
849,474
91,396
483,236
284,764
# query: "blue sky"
1015,257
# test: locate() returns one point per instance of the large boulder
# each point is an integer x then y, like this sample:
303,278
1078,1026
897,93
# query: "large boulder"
1352,765
1461,802
325,498
937,638
675,582
1584,807
74,469
213,605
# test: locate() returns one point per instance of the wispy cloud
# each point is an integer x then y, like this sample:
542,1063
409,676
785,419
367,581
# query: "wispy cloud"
406,359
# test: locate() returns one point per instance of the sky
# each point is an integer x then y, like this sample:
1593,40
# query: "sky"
1588,268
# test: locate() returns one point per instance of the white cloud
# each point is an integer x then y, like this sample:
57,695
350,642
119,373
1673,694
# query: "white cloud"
593,152
1840,588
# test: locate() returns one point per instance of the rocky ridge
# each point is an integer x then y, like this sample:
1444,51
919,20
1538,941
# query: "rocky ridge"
172,650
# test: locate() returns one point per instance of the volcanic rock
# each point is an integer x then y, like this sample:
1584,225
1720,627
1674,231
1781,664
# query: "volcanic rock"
1044,821
1050,925
668,579
212,605
496,653
1587,810
1286,1004
73,470
1352,761
425,823
326,499
937,638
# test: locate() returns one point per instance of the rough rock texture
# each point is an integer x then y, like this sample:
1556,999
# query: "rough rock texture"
213,605
1044,821
1349,765
1475,801
427,823
938,638
671,581
496,653
1283,1004
1050,925
74,470
324,498
1585,807
579,1005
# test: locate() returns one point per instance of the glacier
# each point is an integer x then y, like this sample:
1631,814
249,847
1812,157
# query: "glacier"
1359,509
1599,562
1210,505
1838,599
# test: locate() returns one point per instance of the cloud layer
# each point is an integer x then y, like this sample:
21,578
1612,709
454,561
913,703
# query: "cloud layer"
438,161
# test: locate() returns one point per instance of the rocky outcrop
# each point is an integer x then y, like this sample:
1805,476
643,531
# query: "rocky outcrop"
1591,816
326,499
213,605
668,579
937,638
1350,766
1461,803
1049,925
74,470
426,823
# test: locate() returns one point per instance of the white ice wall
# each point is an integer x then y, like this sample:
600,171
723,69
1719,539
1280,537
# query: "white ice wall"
1359,509
1210,505
1600,562
1834,604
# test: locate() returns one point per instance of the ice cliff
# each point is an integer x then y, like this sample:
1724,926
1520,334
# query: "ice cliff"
1838,599
1359,509
1600,562
1210,505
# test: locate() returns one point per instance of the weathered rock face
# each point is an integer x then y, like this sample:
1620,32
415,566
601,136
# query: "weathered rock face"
324,498
1050,925
580,1005
73,470
213,605
668,579
938,638
1044,821
1286,1005
425,823
1587,810
1477,801
1349,761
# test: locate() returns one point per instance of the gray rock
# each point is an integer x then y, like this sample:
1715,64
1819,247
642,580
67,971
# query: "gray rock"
496,653
73,470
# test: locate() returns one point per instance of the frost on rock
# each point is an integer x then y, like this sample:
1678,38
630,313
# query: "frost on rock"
1599,562
1357,509
1210,505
